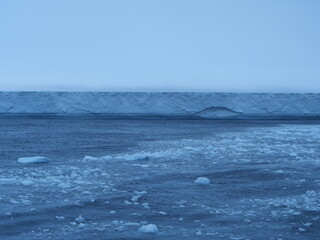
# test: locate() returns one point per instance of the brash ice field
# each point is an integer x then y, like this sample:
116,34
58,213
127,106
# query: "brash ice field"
159,179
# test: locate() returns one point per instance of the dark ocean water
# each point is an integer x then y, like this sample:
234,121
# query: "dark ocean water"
264,179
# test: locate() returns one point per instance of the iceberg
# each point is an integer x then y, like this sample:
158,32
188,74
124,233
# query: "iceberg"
207,105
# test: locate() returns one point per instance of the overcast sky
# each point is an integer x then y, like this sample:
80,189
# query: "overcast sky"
160,45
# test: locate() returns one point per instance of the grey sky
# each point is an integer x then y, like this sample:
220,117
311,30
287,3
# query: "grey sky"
164,45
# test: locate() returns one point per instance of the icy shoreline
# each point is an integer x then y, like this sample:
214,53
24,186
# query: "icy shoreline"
163,104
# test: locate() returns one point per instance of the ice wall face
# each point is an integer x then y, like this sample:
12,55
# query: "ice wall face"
204,105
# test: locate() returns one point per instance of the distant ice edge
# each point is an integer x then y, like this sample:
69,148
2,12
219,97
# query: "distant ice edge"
207,105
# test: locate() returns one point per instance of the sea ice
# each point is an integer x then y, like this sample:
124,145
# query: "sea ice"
89,158
79,219
308,224
37,159
60,218
107,158
27,182
163,213
202,181
7,181
150,228
128,157
137,195
136,156
145,205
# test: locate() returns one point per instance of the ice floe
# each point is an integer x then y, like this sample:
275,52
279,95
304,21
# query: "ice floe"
79,219
137,195
60,218
150,228
27,182
129,157
126,157
136,156
202,181
90,158
8,181
37,159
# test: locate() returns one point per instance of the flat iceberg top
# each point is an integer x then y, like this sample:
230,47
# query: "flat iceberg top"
208,105
37,159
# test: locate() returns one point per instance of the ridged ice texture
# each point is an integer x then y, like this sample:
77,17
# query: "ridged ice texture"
170,104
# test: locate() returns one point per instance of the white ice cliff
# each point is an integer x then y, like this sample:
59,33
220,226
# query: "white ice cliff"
167,104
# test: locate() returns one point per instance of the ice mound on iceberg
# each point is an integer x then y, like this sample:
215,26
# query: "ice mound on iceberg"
37,159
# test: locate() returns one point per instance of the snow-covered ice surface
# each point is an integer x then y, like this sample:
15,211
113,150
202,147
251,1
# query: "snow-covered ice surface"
165,104
265,181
